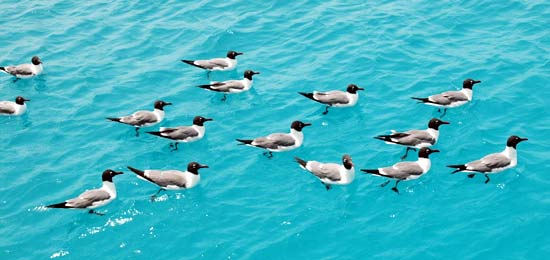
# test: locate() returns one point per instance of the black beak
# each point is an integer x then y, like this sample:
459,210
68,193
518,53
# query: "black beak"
306,124
477,81
435,151
117,173
445,123
167,103
360,89
254,73
203,166
238,53
208,119
26,99
523,139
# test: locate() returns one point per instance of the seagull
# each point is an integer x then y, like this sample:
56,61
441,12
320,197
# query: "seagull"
92,199
415,138
493,163
222,64
279,142
335,98
232,86
451,98
143,118
17,108
186,134
330,173
171,179
404,171
24,70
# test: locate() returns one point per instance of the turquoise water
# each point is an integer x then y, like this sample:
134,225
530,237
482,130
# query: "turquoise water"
109,59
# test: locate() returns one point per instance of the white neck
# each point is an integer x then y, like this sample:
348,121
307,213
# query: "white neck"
347,175
110,188
20,109
159,113
425,163
298,136
434,133
247,83
200,129
352,98
191,179
468,92
511,153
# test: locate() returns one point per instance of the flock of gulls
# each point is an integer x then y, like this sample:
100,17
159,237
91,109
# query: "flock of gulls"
328,173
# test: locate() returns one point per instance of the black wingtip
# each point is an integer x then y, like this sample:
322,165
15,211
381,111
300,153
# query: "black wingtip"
385,138
2,69
301,162
114,119
371,171
205,86
421,100
458,167
136,171
62,205
243,141
155,133
308,95
192,63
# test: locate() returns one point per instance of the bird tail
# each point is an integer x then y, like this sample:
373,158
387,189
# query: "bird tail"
458,167
62,205
301,162
421,100
114,119
192,63
372,171
245,142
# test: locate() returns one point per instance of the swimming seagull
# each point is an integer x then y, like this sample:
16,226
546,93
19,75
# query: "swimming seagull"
335,98
92,199
171,179
186,134
222,64
232,86
415,138
143,118
330,173
451,98
17,108
25,70
404,171
279,142
493,163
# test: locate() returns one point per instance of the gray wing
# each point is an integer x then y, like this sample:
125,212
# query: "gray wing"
329,171
402,170
274,141
415,137
179,133
139,118
213,63
446,98
23,69
166,178
88,198
226,86
488,163
6,108
331,97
